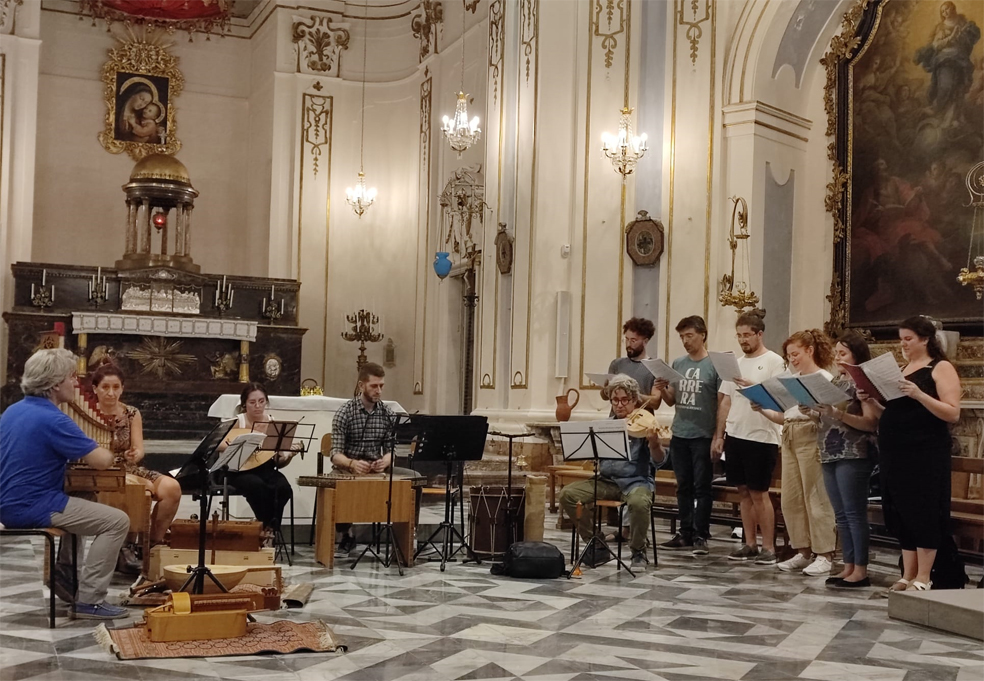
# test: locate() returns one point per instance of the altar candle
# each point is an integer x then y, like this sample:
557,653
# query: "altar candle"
44,277
32,290
263,307
232,292
271,292
52,293
223,283
105,289
90,289
217,284
99,273
281,306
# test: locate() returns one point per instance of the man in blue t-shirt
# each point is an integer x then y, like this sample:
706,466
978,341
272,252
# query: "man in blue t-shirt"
696,400
37,440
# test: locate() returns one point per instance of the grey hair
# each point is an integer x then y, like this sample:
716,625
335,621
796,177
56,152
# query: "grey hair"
625,383
45,369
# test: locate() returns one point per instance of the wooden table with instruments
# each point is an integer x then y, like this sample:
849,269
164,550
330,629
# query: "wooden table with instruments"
347,498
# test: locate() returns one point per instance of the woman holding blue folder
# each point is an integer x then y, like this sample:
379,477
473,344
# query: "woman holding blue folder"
806,508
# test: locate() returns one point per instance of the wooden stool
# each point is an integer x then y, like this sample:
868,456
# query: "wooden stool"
49,534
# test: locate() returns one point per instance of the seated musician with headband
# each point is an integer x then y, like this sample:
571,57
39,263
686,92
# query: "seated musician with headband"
362,435
36,441
629,481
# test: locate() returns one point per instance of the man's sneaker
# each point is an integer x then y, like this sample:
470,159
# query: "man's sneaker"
797,562
639,559
678,542
98,611
743,552
700,546
821,566
766,557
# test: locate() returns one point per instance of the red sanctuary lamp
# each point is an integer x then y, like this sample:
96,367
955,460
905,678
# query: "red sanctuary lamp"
160,220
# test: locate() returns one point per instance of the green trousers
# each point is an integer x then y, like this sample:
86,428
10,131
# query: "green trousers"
639,501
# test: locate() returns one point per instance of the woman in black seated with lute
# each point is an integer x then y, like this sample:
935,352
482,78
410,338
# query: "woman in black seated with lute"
266,489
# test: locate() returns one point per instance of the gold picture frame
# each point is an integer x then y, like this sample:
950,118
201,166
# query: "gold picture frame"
140,83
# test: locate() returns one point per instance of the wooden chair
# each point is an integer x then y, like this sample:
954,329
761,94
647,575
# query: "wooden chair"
49,534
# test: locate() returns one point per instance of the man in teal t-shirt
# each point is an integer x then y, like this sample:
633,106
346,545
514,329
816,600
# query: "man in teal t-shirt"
696,401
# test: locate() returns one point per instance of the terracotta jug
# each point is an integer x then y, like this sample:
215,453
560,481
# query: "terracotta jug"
565,406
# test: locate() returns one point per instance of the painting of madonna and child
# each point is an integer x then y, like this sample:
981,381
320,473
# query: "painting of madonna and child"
141,108
917,129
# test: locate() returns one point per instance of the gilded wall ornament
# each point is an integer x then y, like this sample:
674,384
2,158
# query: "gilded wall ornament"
8,13
425,121
609,40
425,24
316,132
160,357
319,44
694,30
529,24
140,83
497,38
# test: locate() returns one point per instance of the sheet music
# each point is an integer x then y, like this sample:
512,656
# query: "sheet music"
661,369
824,391
239,450
600,379
861,381
798,390
611,438
726,365
779,393
884,372
760,396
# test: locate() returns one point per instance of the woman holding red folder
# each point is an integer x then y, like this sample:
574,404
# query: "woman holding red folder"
847,447
914,452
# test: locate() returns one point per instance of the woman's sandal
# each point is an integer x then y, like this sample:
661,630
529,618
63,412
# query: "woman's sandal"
919,586
905,585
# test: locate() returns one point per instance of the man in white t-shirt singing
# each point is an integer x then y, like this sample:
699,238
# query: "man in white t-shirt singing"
752,443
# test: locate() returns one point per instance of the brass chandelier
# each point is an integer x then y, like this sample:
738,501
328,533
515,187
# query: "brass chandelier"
459,131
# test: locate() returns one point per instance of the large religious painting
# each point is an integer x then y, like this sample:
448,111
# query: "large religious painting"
140,81
905,90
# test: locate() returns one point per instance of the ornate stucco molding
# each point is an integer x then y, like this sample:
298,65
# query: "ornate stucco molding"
497,37
427,21
315,132
172,327
319,43
8,13
693,24
609,34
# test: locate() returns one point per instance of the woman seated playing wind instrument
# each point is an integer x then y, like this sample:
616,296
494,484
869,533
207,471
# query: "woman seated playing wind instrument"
266,489
127,447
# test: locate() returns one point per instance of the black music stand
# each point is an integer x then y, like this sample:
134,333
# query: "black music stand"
452,440
595,440
510,511
202,461
282,438
386,528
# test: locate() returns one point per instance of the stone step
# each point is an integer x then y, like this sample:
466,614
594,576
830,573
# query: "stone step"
956,611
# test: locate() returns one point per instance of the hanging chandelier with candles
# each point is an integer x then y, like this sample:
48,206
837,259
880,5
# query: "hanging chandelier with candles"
361,197
460,132
624,149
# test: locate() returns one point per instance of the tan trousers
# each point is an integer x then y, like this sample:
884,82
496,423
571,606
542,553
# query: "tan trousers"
806,509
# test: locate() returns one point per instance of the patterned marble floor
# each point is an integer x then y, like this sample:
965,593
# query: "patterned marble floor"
688,620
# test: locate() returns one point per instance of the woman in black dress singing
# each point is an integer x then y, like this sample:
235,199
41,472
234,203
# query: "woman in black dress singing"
915,446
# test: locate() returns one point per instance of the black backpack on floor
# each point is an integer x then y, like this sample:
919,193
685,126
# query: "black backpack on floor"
531,560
